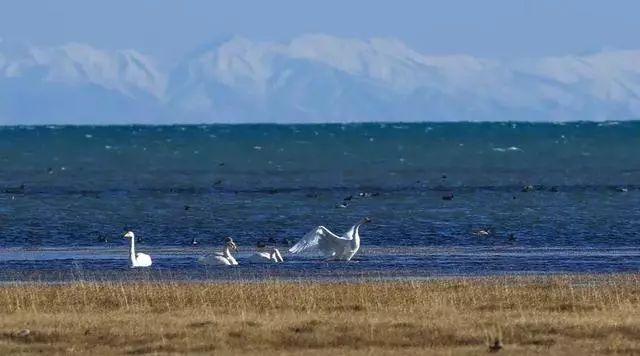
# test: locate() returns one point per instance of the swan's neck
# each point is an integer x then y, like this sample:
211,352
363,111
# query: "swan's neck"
132,249
355,232
226,252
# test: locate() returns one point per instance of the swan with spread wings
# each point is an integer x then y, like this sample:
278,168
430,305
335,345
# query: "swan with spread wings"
334,247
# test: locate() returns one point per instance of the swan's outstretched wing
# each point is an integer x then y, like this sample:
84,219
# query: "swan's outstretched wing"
277,255
320,238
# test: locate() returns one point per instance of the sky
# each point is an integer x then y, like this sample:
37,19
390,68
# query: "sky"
489,28
187,66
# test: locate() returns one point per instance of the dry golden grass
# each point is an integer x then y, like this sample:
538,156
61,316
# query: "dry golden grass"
530,315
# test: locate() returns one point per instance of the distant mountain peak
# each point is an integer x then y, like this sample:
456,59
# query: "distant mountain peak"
310,78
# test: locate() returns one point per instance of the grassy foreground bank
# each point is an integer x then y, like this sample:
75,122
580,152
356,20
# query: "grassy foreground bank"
550,315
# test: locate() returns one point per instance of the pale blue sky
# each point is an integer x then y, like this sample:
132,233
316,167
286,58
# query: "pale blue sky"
491,28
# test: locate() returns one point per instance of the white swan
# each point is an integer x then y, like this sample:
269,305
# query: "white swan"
224,257
136,259
331,245
263,255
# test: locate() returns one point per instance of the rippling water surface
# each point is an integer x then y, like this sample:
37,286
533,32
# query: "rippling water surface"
560,197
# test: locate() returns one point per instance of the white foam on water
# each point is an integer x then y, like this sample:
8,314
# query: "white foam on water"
507,149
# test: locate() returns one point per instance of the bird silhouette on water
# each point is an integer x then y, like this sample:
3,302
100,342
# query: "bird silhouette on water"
484,232
527,188
448,196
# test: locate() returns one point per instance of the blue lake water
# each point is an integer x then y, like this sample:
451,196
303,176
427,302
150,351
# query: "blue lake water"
68,193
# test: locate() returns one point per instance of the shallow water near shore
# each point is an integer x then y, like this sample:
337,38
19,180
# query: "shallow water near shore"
562,198
99,264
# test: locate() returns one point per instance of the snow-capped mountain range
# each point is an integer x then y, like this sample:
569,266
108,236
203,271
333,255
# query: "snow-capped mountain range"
312,78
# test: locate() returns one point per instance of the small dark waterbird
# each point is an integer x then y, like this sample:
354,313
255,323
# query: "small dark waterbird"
448,196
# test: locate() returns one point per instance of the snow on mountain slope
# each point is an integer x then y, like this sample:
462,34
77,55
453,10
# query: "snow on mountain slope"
324,78
126,71
76,83
312,78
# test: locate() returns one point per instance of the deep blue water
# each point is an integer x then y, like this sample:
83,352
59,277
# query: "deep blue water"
65,190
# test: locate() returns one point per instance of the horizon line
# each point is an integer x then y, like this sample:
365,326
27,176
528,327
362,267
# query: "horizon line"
354,123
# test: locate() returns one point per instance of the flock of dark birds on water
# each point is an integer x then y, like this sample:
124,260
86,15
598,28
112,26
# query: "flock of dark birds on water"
346,201
21,189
